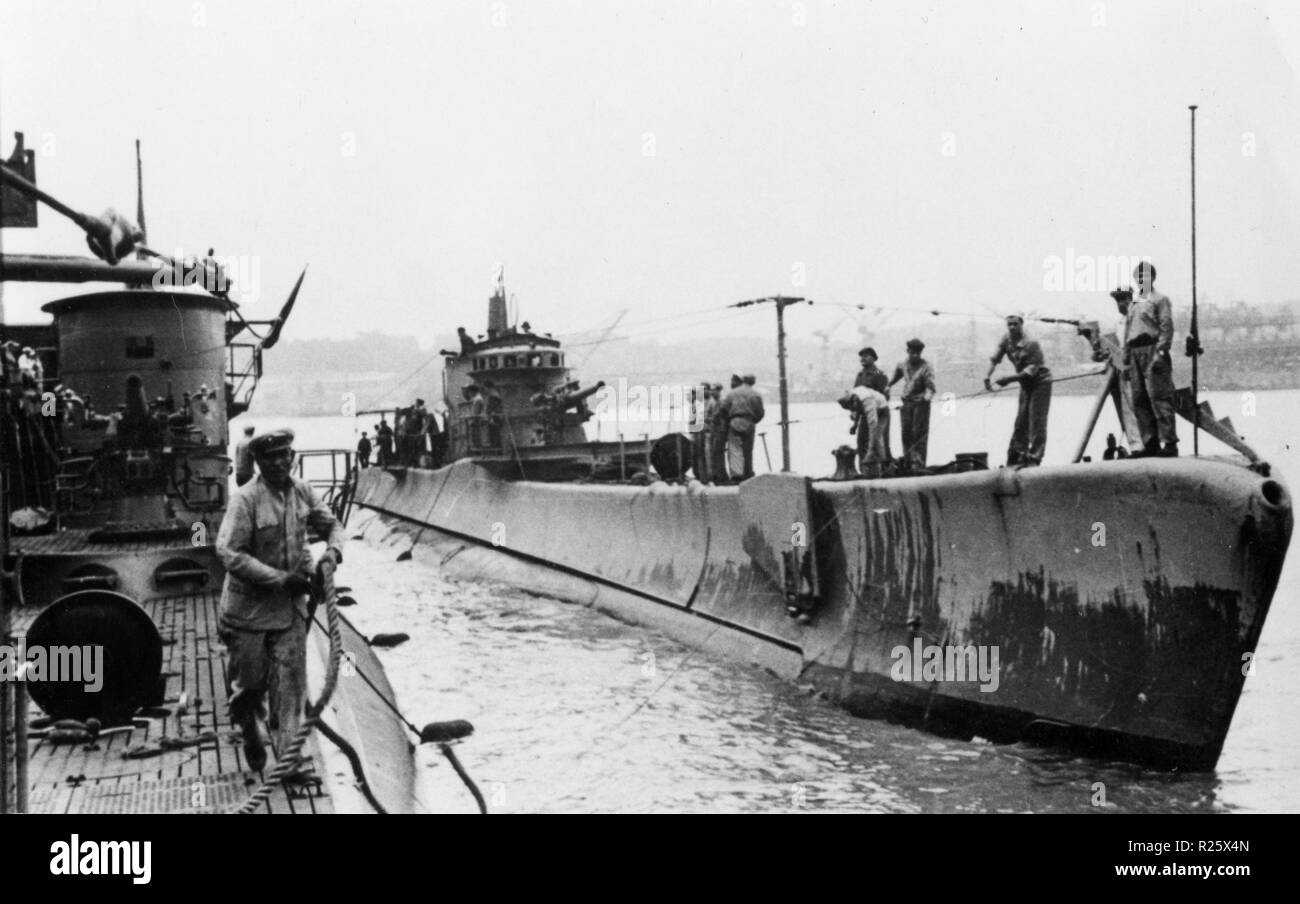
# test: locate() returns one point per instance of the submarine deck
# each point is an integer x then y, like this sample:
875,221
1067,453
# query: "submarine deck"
205,776
76,541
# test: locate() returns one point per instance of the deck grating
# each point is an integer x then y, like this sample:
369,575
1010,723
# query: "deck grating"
207,777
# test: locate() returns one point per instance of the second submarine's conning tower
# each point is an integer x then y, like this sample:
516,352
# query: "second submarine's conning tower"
513,406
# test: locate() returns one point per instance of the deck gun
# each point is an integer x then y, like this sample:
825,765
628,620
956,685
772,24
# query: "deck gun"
566,397
1088,329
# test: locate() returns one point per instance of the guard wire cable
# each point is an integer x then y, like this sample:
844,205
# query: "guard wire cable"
957,398
445,748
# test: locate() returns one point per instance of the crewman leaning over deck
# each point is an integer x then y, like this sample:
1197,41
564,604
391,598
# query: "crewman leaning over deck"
1029,437
263,546
742,410
867,405
917,391
1149,334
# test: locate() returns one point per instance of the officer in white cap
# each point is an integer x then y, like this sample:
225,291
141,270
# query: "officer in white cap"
263,545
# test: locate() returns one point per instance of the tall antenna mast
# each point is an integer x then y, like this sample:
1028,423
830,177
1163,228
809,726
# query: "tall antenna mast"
781,302
139,200
1194,339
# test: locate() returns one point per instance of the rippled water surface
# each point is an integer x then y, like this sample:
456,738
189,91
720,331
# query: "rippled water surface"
578,712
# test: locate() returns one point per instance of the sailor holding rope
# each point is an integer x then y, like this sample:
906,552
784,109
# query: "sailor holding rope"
918,389
263,546
1029,438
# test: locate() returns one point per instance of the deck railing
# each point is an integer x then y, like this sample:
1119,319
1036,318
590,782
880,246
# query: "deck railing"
331,473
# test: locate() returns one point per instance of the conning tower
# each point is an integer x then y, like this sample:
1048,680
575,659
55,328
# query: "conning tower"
511,393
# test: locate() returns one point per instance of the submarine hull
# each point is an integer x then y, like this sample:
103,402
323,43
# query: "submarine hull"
1113,608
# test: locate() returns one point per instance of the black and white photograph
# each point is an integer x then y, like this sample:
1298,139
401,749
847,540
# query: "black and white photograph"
650,407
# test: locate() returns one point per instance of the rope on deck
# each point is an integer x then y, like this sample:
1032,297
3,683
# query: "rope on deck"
287,761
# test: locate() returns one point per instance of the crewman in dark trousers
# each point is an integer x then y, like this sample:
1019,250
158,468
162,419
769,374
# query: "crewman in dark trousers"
1029,438
1149,334
917,391
742,410
263,545
874,378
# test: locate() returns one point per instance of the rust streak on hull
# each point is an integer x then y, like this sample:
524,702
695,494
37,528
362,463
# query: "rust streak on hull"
1121,597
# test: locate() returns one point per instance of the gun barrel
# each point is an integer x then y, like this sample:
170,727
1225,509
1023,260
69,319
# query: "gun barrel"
137,406
569,400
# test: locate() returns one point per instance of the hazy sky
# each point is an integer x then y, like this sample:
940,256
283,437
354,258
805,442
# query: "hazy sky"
667,157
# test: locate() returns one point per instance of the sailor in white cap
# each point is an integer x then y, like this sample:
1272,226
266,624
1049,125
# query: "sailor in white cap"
263,545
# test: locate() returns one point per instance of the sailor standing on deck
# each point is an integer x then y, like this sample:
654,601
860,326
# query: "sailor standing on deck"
742,409
1149,334
478,435
494,407
874,378
263,546
1029,437
244,458
701,432
1114,353
420,429
918,389
384,436
722,434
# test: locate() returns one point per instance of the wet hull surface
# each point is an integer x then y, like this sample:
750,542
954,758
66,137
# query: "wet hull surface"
1123,599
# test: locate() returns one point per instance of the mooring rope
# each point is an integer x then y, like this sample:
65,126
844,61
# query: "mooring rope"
287,759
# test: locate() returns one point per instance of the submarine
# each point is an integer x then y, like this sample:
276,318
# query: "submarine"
1120,601
114,435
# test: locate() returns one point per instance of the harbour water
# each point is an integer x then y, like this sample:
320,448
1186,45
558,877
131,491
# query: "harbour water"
578,712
